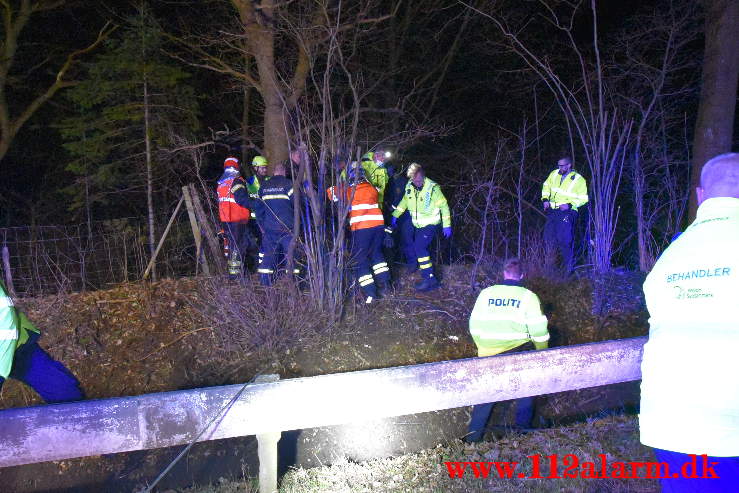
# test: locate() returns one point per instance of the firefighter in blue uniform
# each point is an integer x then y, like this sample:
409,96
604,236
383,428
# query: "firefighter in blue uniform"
23,359
275,214
402,233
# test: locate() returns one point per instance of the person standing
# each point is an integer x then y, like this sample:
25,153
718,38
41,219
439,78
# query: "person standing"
402,233
429,210
367,225
689,393
563,192
375,171
23,359
276,219
507,317
233,216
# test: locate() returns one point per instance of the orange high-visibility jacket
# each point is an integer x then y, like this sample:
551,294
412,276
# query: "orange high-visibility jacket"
228,210
365,210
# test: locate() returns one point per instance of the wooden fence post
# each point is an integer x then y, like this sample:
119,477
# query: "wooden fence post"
8,273
205,225
161,240
195,231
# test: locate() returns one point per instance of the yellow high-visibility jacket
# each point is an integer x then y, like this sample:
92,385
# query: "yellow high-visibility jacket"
571,190
689,392
506,316
15,330
427,206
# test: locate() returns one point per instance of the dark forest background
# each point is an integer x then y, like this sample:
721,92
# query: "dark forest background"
132,100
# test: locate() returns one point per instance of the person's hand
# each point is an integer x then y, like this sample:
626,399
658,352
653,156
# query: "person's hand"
546,205
564,207
394,221
447,231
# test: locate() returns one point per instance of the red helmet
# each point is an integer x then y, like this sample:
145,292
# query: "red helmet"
231,162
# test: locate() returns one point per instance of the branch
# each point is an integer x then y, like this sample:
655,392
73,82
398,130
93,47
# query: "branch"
60,83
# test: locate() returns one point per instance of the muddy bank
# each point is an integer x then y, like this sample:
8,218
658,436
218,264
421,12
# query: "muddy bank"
135,339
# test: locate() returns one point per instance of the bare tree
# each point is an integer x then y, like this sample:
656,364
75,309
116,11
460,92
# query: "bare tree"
652,72
16,16
714,128
593,120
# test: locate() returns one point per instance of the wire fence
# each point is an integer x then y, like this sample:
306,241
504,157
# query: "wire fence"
50,259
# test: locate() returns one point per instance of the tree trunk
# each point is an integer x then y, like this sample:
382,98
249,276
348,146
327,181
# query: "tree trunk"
149,179
715,124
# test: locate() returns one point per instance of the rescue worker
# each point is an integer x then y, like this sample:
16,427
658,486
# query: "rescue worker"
234,217
23,359
689,393
402,233
375,170
428,209
275,216
507,317
260,168
368,230
259,176
563,192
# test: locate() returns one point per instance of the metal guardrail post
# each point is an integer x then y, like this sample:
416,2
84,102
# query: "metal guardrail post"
105,426
267,450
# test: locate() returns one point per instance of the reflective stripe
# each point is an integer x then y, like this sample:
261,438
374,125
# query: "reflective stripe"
368,217
380,264
380,270
276,196
363,207
424,259
425,266
366,282
5,301
290,192
536,320
236,187
8,334
265,271
544,338
504,336
365,277
487,317
227,199
261,254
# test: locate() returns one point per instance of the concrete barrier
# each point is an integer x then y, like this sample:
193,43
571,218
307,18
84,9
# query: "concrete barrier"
64,431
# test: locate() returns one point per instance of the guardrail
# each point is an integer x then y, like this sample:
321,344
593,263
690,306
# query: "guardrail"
95,427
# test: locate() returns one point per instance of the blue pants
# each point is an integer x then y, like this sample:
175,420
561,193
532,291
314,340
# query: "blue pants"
422,240
369,262
49,378
726,468
481,415
274,244
559,234
238,243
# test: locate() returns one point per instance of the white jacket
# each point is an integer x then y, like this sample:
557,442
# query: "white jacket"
690,369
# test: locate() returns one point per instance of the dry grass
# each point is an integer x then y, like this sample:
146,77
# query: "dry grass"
617,437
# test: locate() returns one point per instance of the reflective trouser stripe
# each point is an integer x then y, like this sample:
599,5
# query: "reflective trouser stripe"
380,268
425,266
543,338
423,259
265,271
366,280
